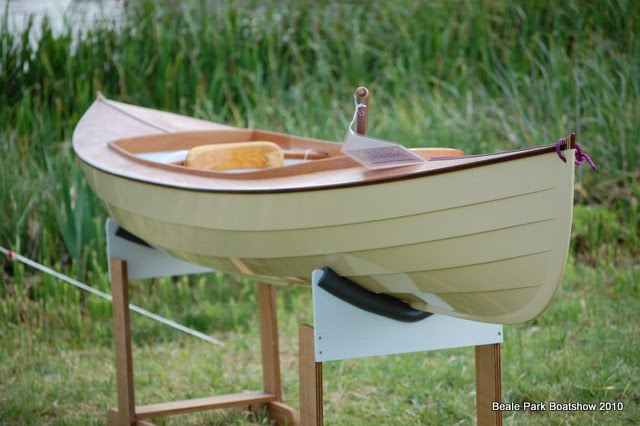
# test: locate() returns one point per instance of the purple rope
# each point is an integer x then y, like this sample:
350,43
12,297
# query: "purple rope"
559,149
581,156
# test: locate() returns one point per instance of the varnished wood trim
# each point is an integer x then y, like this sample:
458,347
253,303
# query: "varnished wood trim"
122,335
201,404
283,414
302,148
177,141
329,163
332,163
269,339
488,384
344,162
311,398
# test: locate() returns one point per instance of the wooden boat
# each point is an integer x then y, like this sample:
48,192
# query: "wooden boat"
481,237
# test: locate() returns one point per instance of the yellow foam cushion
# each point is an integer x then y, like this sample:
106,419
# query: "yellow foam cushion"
239,155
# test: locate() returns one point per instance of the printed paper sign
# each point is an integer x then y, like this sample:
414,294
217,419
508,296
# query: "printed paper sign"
378,154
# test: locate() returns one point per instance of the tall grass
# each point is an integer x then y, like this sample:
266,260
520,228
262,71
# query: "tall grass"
475,75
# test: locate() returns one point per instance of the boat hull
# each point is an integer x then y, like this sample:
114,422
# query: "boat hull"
487,243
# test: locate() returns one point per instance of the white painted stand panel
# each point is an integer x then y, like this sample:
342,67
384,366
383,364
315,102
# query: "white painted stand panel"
343,331
146,262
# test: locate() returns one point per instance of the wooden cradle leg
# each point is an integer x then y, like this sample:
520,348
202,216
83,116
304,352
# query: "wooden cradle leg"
126,414
311,398
488,384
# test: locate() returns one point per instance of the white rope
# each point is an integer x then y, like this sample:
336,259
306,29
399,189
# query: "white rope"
355,113
173,324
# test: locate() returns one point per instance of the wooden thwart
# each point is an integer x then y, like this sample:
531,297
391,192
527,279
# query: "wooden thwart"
129,414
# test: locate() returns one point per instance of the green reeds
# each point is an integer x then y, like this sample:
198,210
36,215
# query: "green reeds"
475,75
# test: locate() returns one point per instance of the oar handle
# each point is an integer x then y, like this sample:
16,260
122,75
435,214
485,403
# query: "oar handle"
362,115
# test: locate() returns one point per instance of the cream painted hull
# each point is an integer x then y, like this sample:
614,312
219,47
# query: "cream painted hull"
487,243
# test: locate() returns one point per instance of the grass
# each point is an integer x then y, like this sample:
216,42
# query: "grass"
581,349
476,75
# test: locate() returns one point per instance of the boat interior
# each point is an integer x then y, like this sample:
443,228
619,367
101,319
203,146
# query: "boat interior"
301,155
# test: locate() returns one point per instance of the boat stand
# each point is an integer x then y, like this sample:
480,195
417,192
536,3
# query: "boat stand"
340,331
488,382
131,258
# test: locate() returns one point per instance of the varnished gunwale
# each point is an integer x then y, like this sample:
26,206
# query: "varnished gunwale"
337,171
334,163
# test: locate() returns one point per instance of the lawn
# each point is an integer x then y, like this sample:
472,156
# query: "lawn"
475,75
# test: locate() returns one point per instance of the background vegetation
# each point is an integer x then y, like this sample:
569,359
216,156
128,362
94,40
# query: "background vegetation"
476,75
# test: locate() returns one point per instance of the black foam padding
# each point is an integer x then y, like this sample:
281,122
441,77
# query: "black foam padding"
376,303
123,233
